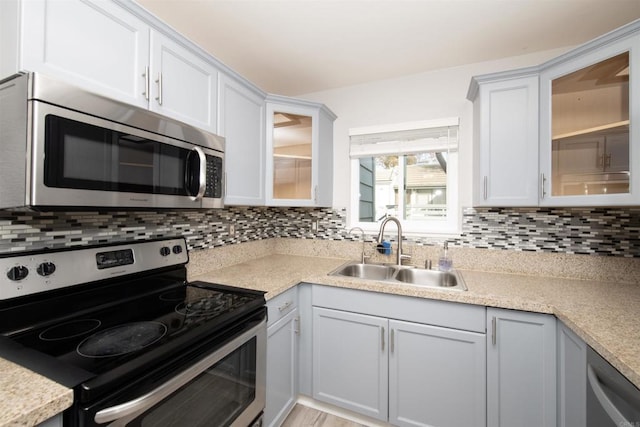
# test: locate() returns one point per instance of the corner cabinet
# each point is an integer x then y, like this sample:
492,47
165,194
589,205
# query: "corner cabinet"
505,139
299,153
589,151
242,123
106,49
572,379
561,133
521,369
282,357
404,372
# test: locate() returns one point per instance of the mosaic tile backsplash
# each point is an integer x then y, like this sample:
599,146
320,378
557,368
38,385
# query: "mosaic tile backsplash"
608,232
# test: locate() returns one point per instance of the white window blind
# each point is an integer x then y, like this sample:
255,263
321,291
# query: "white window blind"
407,138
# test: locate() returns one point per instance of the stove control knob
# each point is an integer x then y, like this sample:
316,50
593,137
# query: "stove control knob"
164,251
46,269
18,272
177,249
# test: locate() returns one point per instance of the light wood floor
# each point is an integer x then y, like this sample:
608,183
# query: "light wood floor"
303,416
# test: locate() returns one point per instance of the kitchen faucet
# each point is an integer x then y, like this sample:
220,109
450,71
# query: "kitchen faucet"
362,233
399,255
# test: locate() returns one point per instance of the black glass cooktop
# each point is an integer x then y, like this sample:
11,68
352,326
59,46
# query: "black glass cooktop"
123,328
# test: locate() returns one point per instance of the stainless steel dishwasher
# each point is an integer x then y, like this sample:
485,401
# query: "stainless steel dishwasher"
612,400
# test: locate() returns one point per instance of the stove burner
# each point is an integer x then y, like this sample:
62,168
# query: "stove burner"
72,329
122,339
203,306
174,295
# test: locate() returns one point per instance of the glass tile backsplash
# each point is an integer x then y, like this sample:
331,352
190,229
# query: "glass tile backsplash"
608,232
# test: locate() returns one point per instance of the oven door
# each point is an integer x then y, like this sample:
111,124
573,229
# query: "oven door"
226,388
82,160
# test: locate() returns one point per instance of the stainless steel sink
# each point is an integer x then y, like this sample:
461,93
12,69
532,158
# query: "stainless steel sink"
416,276
366,271
402,275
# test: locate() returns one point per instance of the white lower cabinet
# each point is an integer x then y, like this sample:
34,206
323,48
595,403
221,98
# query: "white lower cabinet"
521,369
351,361
572,379
55,421
436,376
282,357
406,373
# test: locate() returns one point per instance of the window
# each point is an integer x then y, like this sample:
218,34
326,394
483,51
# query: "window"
409,171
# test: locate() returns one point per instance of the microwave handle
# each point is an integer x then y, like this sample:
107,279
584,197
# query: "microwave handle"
202,175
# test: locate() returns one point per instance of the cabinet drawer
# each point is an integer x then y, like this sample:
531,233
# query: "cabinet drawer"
420,310
281,305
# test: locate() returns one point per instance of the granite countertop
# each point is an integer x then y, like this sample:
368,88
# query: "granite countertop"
603,314
29,398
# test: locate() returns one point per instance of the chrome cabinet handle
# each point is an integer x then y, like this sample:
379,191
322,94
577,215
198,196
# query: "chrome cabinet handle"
543,180
284,306
493,330
159,82
382,336
296,325
391,340
485,187
146,83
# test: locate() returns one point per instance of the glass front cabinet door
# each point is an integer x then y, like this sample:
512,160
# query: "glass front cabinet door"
589,128
300,147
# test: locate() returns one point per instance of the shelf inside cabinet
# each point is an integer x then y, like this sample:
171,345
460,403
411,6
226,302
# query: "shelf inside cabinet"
616,126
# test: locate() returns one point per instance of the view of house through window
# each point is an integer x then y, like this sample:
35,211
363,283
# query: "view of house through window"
412,187
406,174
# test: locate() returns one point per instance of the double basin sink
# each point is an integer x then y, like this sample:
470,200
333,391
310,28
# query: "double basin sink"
402,275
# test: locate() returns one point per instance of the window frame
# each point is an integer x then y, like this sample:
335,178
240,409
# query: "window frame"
449,226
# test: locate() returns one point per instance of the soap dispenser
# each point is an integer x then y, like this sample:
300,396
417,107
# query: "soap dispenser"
444,262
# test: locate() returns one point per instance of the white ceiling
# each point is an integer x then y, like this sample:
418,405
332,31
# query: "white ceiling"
294,47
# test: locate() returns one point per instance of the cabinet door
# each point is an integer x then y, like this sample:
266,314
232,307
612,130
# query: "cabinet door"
350,361
93,44
282,369
241,122
507,143
572,379
521,369
292,140
299,141
183,85
587,99
437,376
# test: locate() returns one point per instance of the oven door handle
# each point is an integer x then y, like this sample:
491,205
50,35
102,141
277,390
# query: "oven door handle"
147,401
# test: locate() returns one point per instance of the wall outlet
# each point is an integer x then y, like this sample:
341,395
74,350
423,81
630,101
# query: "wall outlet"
232,230
314,225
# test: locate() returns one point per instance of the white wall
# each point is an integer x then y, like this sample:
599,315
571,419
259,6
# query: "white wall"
429,95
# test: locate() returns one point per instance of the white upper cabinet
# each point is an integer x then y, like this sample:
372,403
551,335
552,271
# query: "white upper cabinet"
184,86
587,153
505,140
94,45
562,133
241,122
104,48
299,148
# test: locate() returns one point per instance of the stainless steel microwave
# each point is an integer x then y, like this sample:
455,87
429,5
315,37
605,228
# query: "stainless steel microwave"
64,147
